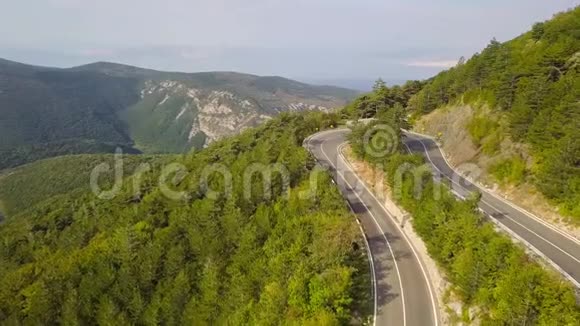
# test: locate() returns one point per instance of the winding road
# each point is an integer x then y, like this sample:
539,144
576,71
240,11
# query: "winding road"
402,292
558,248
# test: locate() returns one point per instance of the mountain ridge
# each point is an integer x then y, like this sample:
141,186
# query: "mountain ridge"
61,110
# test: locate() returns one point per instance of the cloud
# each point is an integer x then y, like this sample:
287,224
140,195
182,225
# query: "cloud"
433,63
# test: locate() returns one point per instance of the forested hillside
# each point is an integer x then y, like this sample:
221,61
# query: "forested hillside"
494,278
46,112
219,258
532,86
30,184
381,99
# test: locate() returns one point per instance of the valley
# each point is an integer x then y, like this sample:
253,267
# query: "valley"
98,107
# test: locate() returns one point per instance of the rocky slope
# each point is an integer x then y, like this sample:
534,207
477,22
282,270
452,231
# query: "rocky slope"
96,108
450,125
174,115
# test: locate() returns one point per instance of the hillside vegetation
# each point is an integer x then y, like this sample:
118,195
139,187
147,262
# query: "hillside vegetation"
532,86
498,283
48,112
25,186
201,258
96,108
380,99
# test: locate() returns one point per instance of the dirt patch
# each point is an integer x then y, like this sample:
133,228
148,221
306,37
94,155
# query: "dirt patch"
449,124
450,307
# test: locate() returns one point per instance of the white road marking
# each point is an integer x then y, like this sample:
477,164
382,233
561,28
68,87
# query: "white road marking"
568,276
383,233
371,262
434,306
369,252
425,275
520,209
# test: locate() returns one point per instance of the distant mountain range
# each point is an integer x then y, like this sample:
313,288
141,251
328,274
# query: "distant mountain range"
360,84
98,107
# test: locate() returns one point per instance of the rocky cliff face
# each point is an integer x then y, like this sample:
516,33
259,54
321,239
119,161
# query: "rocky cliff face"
187,116
97,108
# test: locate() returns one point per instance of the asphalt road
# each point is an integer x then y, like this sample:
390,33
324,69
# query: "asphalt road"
558,248
402,292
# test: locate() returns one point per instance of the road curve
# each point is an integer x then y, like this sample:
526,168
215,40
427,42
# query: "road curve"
402,292
558,248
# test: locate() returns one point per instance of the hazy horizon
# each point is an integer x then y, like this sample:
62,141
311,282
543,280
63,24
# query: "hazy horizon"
318,42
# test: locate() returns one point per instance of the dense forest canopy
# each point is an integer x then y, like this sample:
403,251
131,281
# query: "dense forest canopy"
381,98
25,186
224,258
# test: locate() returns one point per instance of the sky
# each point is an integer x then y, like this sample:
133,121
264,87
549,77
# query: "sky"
311,40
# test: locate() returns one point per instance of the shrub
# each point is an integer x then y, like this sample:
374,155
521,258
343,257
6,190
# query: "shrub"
480,127
510,170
